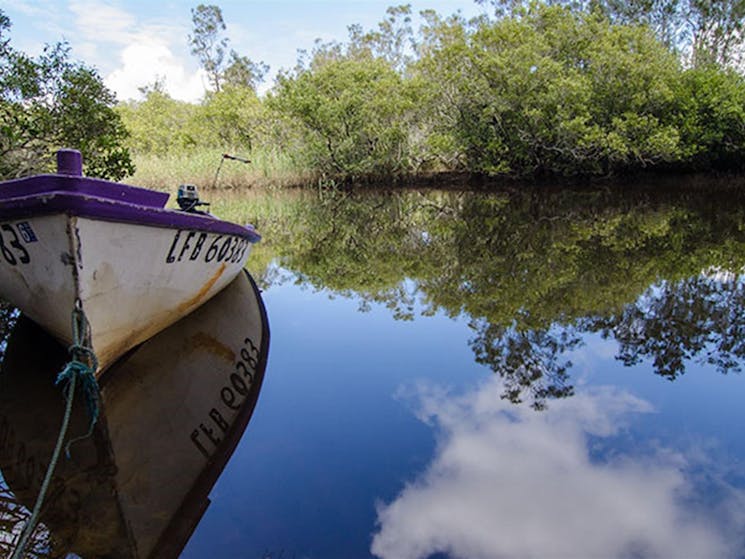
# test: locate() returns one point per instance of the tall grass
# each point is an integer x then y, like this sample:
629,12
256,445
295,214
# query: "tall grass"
267,169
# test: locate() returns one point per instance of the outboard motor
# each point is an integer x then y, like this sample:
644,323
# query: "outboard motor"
188,198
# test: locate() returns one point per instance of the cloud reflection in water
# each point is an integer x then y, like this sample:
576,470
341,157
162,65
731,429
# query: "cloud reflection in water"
507,481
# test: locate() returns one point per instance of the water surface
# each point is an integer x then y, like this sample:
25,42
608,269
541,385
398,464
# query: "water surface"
478,375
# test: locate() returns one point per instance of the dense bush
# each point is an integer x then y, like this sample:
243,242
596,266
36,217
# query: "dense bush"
351,114
539,89
711,118
554,92
160,124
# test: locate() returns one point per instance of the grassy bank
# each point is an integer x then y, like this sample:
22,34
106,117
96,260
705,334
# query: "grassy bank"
267,169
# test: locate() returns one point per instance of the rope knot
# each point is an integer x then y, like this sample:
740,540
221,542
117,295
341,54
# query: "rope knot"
82,366
86,375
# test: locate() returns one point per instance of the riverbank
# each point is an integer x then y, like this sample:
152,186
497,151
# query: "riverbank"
271,170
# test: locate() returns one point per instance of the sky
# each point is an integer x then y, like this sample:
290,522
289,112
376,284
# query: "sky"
133,43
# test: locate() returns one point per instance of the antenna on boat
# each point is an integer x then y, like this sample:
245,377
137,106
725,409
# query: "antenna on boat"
222,159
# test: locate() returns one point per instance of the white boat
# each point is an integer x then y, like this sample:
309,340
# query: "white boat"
113,251
171,414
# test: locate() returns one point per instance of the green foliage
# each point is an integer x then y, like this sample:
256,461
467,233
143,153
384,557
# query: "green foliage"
703,31
392,41
52,102
718,31
244,72
711,118
159,124
269,168
568,88
233,118
552,92
351,113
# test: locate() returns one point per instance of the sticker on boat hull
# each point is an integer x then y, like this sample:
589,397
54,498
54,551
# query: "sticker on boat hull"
27,233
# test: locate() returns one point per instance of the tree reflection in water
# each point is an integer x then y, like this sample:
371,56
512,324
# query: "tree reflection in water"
698,318
529,361
13,517
532,270
8,317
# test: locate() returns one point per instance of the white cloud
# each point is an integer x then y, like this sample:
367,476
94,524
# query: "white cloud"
132,52
143,63
509,482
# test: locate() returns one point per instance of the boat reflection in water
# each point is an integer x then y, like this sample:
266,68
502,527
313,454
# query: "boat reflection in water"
172,412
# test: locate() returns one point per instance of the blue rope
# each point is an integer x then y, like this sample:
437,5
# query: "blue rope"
81,367
77,370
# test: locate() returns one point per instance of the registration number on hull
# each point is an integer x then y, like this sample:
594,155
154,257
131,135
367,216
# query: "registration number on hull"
189,246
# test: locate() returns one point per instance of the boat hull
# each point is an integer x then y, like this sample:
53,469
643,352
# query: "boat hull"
172,412
131,280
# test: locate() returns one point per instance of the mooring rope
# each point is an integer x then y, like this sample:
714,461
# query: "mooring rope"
83,365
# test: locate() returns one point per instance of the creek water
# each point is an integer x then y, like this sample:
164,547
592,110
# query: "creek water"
539,373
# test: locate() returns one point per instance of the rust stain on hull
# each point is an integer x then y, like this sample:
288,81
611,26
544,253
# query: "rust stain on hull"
186,305
139,335
214,346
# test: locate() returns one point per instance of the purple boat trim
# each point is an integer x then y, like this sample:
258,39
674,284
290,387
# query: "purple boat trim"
43,184
81,204
68,192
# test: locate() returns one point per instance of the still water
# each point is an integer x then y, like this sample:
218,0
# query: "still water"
482,375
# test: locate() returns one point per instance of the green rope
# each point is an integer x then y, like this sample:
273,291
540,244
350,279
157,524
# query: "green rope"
75,369
83,365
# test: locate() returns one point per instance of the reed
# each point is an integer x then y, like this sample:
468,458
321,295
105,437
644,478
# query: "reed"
268,169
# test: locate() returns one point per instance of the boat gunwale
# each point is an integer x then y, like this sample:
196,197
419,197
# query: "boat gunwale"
101,188
103,208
